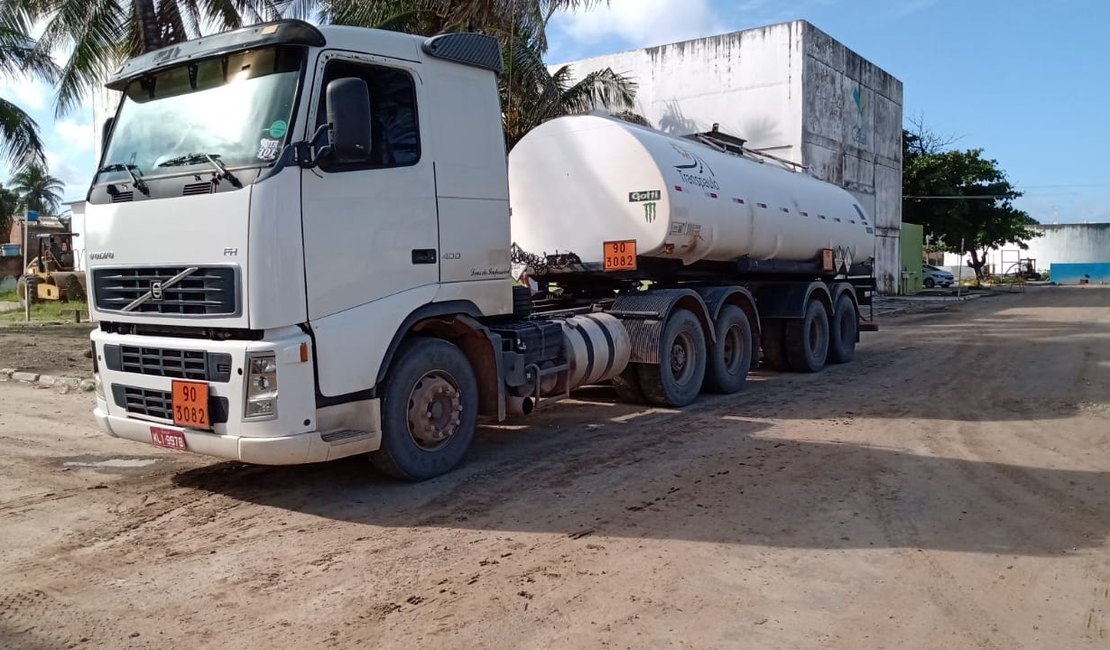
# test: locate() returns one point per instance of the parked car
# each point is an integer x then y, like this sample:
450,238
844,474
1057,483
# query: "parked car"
935,277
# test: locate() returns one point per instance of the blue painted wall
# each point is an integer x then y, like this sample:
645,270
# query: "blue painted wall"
1071,273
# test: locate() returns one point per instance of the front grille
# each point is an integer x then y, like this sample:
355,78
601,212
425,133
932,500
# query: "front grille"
152,403
123,197
207,291
192,189
196,365
144,401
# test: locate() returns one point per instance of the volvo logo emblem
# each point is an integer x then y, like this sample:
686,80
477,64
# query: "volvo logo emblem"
156,291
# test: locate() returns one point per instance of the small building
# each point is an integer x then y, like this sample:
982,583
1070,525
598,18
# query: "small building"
1057,244
792,91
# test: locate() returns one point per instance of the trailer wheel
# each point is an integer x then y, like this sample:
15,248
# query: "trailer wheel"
429,411
731,356
845,330
627,385
773,343
677,379
807,339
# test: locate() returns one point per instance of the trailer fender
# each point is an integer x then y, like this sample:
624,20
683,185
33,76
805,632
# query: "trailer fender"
644,313
717,297
789,299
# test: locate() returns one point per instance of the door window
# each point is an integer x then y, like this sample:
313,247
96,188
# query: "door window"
393,120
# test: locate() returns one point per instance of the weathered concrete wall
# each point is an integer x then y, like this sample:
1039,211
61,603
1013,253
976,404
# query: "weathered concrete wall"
790,90
852,136
749,82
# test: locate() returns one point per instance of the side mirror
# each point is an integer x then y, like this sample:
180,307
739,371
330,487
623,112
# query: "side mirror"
105,131
349,116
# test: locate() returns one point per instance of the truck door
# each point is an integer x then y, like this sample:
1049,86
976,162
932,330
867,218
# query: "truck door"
370,227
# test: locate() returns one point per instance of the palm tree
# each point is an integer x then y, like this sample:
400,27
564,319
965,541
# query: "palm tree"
38,190
531,94
102,33
435,16
20,143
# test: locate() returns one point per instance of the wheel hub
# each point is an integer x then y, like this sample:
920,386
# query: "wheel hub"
434,409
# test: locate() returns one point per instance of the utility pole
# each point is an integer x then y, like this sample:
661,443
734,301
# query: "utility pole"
30,216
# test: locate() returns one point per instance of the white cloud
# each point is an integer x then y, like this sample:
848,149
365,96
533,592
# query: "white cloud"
77,136
30,95
638,23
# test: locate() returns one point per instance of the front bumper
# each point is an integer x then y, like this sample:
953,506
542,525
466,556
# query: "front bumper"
298,433
297,449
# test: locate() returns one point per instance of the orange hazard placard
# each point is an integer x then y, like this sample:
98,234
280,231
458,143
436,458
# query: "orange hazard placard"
190,404
620,255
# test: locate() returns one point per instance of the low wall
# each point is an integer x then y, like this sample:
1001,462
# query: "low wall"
1072,273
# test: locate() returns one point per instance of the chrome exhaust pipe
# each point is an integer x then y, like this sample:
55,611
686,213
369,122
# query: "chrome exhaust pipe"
519,405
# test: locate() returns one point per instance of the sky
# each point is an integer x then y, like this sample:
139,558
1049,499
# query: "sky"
1027,81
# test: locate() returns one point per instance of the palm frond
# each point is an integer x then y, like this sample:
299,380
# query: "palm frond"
20,142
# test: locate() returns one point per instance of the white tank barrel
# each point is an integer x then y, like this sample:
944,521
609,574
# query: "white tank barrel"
576,182
598,347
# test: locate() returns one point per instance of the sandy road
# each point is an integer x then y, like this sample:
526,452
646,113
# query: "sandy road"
949,488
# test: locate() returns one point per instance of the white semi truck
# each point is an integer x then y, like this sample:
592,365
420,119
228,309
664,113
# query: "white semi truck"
300,249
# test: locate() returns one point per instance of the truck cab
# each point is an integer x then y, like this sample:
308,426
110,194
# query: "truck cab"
250,275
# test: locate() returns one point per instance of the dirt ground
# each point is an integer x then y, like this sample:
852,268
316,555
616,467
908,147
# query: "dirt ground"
949,488
47,349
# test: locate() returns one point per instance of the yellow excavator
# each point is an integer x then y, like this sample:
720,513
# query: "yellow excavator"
50,275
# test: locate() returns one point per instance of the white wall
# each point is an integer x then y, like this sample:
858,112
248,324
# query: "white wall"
1057,243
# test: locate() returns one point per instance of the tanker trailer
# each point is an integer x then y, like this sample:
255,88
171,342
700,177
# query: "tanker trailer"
709,250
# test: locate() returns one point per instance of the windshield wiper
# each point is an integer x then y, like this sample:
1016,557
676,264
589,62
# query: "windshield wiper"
194,158
130,169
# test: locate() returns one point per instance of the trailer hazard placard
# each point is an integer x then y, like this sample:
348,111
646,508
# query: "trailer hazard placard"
620,255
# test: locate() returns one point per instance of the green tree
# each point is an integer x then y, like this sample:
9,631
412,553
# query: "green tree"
9,202
20,142
103,33
963,200
38,190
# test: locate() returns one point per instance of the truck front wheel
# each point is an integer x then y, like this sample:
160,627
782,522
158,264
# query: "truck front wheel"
429,411
677,379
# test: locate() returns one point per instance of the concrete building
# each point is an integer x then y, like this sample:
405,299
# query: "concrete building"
790,90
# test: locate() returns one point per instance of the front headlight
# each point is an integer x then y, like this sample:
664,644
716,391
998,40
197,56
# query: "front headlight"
262,387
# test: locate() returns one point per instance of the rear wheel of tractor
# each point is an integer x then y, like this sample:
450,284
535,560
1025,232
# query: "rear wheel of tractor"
731,355
429,411
677,379
73,289
627,385
773,342
845,330
807,339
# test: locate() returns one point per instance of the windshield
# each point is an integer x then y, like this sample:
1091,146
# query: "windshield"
234,108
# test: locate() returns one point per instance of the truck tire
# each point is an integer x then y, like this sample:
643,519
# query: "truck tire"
773,343
677,379
731,354
807,339
845,330
27,288
627,385
429,411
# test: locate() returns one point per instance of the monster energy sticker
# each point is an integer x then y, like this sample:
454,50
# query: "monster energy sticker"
649,195
649,211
